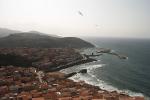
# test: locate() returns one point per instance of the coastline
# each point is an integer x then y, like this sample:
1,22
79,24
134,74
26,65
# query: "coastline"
52,85
79,62
111,88
104,86
46,59
114,95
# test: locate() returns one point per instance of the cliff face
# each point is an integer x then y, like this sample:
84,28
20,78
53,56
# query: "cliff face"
44,41
41,58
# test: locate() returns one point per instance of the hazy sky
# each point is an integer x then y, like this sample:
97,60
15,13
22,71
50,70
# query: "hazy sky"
117,18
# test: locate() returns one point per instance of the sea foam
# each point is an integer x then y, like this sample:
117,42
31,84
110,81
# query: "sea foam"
90,78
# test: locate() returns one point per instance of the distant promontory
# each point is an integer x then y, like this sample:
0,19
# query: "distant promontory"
37,39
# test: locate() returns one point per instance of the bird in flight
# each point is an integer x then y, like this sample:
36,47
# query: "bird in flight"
99,26
80,13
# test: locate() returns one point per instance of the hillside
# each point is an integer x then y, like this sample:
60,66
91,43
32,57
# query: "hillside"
5,32
32,39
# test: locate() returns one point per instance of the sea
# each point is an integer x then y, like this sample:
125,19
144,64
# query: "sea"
130,76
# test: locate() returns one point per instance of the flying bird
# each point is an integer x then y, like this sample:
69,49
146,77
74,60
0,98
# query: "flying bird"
80,13
99,26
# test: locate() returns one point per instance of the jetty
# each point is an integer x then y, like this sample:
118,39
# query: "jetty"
109,51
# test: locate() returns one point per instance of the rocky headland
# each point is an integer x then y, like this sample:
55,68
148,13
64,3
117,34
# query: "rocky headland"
46,59
32,74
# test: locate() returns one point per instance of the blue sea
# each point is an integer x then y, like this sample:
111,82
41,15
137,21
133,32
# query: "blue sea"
131,76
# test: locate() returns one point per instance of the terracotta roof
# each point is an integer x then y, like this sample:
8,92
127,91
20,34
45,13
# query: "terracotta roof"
38,99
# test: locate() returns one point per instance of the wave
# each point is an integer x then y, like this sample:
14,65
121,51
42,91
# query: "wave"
90,78
93,67
88,66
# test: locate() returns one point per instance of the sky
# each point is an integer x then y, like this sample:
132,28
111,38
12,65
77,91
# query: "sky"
101,18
